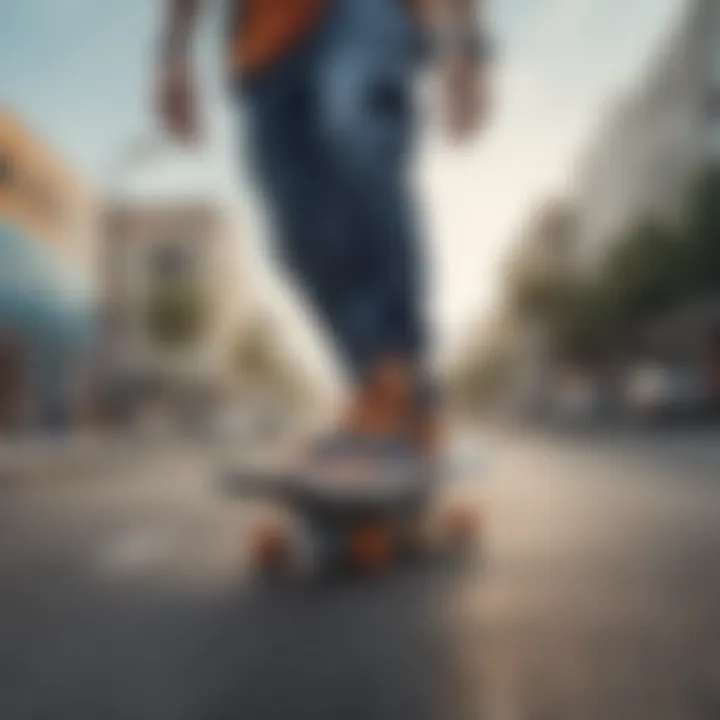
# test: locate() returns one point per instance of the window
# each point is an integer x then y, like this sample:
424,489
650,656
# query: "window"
170,262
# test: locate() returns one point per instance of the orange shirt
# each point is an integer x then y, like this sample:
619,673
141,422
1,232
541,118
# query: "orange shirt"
266,29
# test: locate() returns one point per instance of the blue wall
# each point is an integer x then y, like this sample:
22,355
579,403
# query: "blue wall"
43,304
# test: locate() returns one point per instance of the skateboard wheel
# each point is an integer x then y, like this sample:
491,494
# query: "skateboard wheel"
269,547
370,547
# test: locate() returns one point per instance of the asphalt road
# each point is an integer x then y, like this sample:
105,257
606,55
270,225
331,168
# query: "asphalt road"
126,594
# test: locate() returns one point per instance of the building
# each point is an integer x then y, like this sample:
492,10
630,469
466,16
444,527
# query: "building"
643,166
547,244
657,140
173,290
545,254
47,220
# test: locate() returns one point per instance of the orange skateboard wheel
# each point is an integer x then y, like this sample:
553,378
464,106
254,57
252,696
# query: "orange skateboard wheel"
269,546
371,547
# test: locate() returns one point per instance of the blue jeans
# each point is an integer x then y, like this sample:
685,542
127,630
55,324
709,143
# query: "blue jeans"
330,129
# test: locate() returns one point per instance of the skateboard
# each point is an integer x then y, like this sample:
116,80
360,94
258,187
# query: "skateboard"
332,524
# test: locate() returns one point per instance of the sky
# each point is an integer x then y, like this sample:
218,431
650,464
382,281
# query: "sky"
78,72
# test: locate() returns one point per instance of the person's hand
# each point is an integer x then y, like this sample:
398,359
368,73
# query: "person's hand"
466,95
176,101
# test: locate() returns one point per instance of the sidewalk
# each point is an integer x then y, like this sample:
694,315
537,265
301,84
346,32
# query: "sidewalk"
63,459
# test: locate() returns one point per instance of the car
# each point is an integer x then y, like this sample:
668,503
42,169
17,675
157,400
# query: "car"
656,392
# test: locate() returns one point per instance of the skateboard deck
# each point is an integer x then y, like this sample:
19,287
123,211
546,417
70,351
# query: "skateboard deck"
341,523
332,495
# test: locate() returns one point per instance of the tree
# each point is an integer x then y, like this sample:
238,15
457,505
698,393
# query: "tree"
176,314
261,360
703,230
586,331
480,378
646,273
650,270
538,295
254,356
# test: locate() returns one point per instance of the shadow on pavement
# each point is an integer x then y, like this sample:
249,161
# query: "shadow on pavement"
74,647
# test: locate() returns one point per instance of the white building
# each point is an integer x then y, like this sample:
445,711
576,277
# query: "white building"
152,246
658,139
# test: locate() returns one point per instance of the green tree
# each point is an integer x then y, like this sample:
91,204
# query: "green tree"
176,314
480,379
646,273
255,352
586,330
702,232
261,359
541,296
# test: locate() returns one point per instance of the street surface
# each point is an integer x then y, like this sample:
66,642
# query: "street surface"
125,594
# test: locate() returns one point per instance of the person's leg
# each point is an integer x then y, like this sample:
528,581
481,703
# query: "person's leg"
308,205
329,130
307,219
366,111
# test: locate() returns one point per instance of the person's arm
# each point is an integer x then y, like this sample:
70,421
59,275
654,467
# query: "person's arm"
176,97
465,54
178,26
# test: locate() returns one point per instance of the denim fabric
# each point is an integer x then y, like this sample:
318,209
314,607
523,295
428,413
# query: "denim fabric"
330,130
